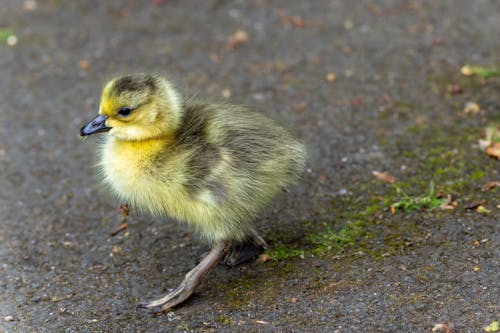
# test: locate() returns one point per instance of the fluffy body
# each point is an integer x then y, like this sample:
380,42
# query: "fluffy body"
214,166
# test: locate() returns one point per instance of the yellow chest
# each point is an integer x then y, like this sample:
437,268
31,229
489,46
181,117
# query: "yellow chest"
153,180
133,173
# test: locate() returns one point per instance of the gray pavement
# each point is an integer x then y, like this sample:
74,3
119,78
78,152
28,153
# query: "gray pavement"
366,85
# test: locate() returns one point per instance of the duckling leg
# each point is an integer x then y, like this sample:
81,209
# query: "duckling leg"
190,282
246,250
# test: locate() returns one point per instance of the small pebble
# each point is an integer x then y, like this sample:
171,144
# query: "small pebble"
234,13
11,40
348,25
9,318
226,93
30,5
467,70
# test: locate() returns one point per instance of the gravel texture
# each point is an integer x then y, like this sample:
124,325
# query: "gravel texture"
367,85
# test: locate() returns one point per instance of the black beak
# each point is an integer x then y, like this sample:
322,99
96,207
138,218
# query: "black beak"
98,124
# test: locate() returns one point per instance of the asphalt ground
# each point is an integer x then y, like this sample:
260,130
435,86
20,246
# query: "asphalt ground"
368,86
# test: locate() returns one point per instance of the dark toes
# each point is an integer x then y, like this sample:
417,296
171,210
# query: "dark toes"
145,305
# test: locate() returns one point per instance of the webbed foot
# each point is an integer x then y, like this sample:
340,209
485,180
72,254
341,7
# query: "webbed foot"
191,281
246,250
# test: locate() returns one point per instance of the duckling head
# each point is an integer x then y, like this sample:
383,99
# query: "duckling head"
137,107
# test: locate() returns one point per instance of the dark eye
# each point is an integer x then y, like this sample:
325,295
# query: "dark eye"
125,111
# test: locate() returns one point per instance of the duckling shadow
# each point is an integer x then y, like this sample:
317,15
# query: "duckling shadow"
283,223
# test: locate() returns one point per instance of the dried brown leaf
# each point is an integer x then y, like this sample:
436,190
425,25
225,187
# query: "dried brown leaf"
298,22
438,41
159,2
330,77
482,210
490,185
84,64
455,89
120,228
384,176
474,205
373,8
444,327
264,257
124,210
293,20
237,39
493,150
448,204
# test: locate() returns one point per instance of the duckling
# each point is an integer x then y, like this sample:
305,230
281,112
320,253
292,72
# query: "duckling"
214,166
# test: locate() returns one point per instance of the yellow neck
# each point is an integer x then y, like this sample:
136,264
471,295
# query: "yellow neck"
140,150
